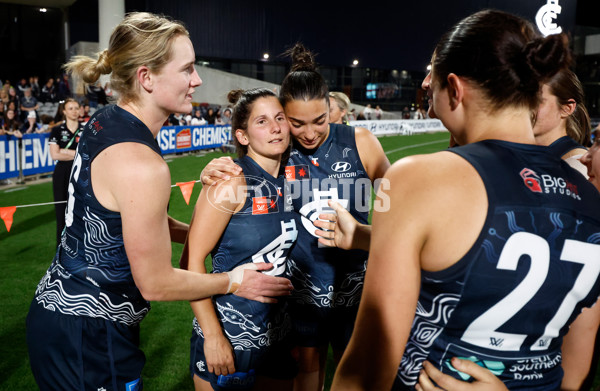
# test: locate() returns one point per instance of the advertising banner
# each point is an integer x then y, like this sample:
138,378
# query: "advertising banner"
401,126
173,139
31,153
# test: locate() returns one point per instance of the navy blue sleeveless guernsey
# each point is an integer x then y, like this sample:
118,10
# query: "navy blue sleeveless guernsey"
563,145
90,274
264,230
326,277
509,301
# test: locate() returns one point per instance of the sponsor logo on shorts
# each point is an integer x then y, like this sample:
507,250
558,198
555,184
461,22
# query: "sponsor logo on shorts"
496,367
201,366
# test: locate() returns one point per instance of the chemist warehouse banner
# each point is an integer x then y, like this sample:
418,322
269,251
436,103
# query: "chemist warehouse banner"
36,159
35,155
172,139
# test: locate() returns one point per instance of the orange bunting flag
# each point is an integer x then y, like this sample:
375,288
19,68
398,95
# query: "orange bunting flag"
6,213
186,190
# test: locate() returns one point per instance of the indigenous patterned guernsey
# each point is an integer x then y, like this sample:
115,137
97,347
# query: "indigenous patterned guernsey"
264,230
90,274
327,278
507,304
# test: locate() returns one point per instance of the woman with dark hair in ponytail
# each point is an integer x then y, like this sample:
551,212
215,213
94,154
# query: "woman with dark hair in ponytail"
488,250
327,162
238,344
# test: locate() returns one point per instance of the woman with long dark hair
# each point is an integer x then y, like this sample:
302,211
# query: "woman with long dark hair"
488,250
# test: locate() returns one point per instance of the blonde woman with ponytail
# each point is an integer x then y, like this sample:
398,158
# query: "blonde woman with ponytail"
115,252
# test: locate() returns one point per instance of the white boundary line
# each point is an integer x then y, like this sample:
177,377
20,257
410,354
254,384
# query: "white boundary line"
416,145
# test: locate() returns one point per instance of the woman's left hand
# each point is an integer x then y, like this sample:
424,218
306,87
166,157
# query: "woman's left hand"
484,380
219,355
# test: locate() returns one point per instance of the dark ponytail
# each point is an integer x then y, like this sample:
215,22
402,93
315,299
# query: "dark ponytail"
503,54
303,82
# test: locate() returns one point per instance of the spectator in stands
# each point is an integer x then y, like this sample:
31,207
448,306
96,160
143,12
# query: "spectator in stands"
179,119
197,119
368,112
31,125
378,112
94,94
22,86
13,106
28,104
352,115
47,122
64,88
211,116
3,98
13,97
48,93
226,117
11,124
35,87
84,113
339,103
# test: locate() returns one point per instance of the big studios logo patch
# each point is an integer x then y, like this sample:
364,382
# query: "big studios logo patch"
548,184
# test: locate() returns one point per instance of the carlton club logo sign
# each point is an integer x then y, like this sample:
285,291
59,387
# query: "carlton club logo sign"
545,18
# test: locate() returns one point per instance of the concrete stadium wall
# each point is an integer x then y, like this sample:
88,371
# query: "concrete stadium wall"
216,84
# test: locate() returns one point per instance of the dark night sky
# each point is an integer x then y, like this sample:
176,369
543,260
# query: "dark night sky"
381,34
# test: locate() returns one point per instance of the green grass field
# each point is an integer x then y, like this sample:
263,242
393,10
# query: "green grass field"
27,250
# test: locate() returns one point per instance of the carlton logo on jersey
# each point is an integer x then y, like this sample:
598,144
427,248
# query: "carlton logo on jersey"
276,252
548,184
310,212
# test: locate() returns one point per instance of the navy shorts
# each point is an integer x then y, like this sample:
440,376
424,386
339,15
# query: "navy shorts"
68,352
275,362
316,326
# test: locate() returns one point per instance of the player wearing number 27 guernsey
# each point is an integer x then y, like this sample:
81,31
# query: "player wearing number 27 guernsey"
510,300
